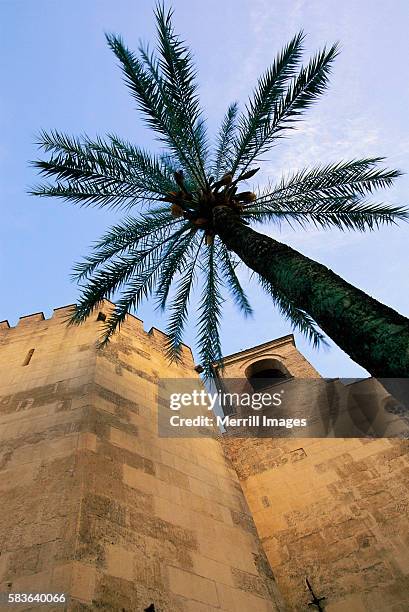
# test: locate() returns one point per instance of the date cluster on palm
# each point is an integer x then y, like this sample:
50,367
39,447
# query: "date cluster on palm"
197,206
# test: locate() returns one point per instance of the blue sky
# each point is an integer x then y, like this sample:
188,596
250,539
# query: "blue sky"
57,72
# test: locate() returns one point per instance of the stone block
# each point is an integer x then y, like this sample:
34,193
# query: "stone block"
83,582
120,562
193,586
352,603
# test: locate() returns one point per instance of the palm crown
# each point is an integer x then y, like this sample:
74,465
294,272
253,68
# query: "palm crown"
172,239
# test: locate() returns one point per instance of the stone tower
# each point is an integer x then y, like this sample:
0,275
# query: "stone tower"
93,503
333,510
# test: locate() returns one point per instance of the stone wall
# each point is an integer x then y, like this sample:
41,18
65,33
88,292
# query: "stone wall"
333,510
94,503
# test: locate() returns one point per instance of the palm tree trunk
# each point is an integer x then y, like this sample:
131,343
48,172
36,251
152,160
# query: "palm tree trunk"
372,334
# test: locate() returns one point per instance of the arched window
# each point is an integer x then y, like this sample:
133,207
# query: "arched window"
266,373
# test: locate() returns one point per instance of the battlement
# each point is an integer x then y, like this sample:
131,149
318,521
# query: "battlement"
61,315
32,318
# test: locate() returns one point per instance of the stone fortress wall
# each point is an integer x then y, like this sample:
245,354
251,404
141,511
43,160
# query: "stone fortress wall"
93,503
334,510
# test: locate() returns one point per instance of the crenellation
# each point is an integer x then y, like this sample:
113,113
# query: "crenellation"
134,324
132,338
62,312
160,338
31,318
157,334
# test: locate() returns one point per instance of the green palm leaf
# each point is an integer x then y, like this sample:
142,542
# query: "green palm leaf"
179,78
298,319
145,277
127,236
176,262
101,173
148,89
225,143
228,274
178,308
119,271
330,196
260,109
304,89
210,310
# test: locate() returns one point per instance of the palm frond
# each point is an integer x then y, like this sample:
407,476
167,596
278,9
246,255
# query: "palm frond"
178,308
147,88
176,262
225,141
299,319
343,213
179,78
128,235
330,196
151,170
176,124
107,196
270,87
144,280
229,276
210,310
112,157
102,172
129,270
304,89
343,178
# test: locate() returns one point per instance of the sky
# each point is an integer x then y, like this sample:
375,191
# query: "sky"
57,73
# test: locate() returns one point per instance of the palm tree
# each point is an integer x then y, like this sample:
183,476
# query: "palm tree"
193,218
